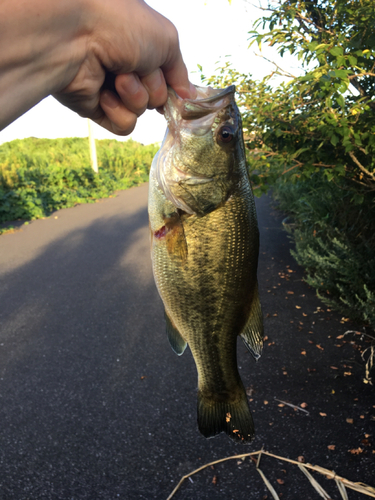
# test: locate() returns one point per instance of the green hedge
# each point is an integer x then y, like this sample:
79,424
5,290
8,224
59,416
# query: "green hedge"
38,176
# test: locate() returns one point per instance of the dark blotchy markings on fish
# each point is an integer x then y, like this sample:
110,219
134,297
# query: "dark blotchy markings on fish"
204,248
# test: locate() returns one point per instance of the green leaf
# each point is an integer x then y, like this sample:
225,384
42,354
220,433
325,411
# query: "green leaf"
340,101
343,87
337,51
341,73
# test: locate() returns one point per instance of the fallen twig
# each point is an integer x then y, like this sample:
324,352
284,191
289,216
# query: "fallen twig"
292,406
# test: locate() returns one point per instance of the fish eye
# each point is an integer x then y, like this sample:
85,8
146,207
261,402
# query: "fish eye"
225,134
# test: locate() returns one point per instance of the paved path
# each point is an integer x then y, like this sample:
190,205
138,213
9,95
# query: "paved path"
95,405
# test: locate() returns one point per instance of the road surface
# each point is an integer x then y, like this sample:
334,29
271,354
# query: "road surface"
94,404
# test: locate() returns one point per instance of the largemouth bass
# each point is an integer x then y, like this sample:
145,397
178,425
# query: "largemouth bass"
204,248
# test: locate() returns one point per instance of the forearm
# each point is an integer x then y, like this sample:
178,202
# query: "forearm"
42,44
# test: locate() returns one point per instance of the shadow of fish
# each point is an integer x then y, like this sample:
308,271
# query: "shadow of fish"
204,248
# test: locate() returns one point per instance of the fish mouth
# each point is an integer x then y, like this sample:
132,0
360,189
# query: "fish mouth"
208,101
212,100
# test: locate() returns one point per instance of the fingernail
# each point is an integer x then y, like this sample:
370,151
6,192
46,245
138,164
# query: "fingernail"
109,99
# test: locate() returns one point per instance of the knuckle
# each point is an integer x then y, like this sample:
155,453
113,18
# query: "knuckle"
173,34
126,127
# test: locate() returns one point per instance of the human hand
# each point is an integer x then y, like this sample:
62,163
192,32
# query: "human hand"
138,45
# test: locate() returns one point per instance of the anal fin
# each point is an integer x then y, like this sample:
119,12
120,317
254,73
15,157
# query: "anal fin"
252,334
178,344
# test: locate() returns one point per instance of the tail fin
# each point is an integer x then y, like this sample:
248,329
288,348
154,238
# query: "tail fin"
234,418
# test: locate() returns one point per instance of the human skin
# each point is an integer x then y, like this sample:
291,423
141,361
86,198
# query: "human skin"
66,48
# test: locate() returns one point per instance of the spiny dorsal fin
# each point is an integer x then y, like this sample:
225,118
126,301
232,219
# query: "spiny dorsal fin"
252,334
178,344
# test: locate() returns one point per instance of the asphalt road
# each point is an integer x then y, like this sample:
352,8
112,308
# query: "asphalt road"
94,404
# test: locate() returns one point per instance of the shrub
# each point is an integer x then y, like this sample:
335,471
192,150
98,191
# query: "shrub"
334,242
38,176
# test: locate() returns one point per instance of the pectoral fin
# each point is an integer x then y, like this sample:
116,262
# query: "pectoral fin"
175,239
178,344
252,334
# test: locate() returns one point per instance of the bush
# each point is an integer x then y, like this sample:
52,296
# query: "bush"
38,176
335,243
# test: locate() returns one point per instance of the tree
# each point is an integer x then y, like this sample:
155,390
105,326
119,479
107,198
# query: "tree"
323,120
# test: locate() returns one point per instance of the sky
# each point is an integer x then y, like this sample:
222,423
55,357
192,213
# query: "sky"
209,31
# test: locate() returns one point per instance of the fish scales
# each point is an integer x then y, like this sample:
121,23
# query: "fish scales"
205,265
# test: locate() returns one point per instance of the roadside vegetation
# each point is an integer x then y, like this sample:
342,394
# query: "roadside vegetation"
311,141
38,176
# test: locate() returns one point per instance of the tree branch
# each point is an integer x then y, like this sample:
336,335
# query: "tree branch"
307,20
360,74
303,25
283,72
360,166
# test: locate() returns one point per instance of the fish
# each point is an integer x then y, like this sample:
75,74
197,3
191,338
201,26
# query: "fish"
204,251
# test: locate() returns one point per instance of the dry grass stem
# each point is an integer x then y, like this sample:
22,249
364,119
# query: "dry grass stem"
369,363
269,485
342,489
208,465
341,482
315,483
